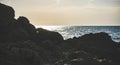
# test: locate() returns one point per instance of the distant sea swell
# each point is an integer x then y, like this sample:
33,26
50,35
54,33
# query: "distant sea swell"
76,31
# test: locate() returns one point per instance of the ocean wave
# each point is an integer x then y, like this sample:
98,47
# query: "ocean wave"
76,31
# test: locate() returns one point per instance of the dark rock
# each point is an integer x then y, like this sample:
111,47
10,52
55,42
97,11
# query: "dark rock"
24,24
48,35
98,44
12,29
97,37
18,45
6,21
6,12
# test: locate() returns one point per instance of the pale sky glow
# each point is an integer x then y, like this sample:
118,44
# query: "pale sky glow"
58,2
68,12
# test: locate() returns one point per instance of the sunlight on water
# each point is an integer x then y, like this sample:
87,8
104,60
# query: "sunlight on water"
51,28
59,29
76,31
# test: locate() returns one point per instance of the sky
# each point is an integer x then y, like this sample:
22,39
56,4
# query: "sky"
68,12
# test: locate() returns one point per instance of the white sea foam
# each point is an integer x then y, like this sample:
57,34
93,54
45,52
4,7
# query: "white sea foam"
76,31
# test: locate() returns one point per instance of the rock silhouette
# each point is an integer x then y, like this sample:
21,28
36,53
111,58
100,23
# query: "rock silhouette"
25,24
6,20
22,44
6,12
49,35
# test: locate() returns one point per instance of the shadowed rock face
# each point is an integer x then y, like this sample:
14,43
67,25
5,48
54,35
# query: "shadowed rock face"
6,19
6,12
48,35
25,24
12,29
23,20
21,29
18,45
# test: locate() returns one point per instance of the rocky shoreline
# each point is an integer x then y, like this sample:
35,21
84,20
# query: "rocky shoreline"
23,44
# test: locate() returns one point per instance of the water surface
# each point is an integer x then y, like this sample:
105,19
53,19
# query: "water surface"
76,31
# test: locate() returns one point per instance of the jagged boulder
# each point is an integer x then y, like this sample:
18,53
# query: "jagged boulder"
48,35
98,44
6,21
92,49
25,24
12,29
97,37
6,17
6,12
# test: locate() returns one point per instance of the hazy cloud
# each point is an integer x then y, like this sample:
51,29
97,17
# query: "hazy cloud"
107,2
63,12
63,2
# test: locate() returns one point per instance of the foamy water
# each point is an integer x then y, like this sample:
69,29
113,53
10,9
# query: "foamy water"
76,31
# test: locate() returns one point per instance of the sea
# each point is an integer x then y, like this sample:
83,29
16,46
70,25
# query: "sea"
76,31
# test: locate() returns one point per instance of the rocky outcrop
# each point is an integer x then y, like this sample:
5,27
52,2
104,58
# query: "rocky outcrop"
24,24
21,29
22,44
6,12
98,49
48,35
